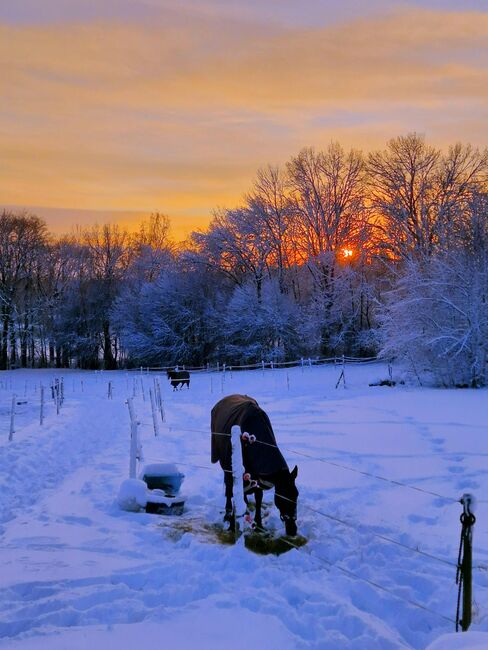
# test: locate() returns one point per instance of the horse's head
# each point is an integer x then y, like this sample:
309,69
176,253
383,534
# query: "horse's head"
286,497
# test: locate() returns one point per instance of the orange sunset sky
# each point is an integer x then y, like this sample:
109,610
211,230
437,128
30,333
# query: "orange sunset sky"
111,110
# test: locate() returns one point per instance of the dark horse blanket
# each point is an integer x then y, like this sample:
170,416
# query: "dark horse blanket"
178,377
259,460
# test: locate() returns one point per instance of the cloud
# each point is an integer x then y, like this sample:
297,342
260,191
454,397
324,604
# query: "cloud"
175,110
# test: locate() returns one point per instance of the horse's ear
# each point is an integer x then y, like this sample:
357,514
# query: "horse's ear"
294,472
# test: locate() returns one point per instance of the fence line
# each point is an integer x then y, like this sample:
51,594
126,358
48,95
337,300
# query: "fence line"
308,362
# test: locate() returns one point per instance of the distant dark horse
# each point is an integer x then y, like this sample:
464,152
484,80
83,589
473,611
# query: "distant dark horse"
178,377
264,464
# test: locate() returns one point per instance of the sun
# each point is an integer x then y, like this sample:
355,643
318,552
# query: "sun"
347,253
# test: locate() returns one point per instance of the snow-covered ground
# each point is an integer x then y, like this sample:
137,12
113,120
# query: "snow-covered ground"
77,572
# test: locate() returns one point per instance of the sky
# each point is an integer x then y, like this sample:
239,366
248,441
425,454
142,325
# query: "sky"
112,110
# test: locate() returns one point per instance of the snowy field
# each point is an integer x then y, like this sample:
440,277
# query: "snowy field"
77,572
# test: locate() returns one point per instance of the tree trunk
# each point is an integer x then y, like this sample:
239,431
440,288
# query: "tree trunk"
4,350
108,357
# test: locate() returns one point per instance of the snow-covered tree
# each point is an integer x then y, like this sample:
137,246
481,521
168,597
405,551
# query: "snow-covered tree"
437,315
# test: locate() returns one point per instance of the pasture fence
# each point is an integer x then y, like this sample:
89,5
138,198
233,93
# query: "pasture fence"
23,400
262,365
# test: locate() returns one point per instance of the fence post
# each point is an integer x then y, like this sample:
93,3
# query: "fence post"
109,393
262,366
153,411
239,505
287,380
465,563
41,415
57,397
134,443
301,362
160,400
12,417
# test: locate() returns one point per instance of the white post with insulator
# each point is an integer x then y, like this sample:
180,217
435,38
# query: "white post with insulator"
134,443
239,505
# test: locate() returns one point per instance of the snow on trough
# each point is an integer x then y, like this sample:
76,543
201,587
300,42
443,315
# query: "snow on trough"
79,572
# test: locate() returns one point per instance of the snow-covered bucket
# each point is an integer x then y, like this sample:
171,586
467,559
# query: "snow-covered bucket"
164,477
163,481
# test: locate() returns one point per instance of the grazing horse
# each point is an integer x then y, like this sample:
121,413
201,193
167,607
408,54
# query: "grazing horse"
178,377
264,464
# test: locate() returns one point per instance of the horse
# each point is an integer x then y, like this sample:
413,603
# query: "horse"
178,377
264,464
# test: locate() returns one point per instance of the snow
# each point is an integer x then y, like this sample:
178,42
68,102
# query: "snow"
467,641
132,495
79,572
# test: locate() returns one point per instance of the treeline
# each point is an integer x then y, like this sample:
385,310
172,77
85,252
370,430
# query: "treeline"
336,252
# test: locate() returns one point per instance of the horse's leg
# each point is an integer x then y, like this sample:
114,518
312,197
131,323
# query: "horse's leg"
258,496
229,493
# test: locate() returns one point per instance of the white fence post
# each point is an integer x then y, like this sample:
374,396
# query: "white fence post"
41,415
153,411
12,417
109,392
57,397
159,398
134,443
239,505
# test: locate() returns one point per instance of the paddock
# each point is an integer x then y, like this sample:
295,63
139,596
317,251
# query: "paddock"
380,470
